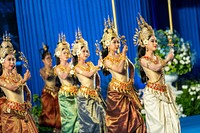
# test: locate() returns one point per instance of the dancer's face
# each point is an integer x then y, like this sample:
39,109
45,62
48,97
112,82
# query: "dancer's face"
9,62
84,53
47,60
65,54
114,45
152,44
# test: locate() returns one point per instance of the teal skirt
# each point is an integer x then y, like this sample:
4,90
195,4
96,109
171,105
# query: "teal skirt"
68,113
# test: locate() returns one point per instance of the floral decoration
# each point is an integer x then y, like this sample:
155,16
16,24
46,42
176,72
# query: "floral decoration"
182,62
189,101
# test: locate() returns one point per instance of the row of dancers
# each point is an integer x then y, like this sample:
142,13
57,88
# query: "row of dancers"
71,99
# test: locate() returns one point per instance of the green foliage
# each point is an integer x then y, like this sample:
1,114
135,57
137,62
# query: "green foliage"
182,62
189,101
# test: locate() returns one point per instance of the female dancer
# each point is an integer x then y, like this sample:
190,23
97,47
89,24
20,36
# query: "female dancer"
123,105
68,89
15,117
50,115
159,101
90,110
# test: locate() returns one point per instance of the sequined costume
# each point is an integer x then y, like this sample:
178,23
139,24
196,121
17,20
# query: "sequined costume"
68,105
123,105
90,110
15,116
159,103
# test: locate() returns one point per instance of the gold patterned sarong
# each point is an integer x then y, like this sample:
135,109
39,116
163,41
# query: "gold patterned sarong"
15,118
122,114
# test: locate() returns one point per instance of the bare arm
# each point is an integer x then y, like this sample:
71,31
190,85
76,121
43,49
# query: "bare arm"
115,67
43,74
86,73
62,74
9,86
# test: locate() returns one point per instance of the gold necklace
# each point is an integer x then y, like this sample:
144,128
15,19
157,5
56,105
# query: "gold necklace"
155,61
113,59
11,78
85,68
63,68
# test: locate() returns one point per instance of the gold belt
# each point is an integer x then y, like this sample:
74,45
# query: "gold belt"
50,91
126,88
119,86
17,108
86,91
157,87
68,90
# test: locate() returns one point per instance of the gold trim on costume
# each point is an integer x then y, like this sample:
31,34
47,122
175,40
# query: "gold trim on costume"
157,89
68,90
126,88
122,87
86,92
17,108
50,91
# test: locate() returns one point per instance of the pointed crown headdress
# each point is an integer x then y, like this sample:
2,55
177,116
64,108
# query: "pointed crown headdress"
109,33
78,43
6,46
62,44
143,33
44,49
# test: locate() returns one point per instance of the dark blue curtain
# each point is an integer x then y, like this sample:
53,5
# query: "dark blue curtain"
187,22
41,21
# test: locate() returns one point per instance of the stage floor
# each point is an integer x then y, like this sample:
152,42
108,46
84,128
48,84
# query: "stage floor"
190,124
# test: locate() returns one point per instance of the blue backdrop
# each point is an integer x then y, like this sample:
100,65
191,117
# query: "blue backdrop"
41,21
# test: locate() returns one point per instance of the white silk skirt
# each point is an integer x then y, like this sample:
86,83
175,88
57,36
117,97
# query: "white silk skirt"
161,114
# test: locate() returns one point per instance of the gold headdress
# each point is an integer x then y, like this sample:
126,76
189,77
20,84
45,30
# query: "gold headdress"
143,33
78,44
109,33
62,44
6,47
45,47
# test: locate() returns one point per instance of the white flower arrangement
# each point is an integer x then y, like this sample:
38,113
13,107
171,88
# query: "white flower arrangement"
189,101
182,62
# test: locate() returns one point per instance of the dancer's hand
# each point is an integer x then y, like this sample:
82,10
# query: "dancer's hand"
170,55
100,62
124,50
27,75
